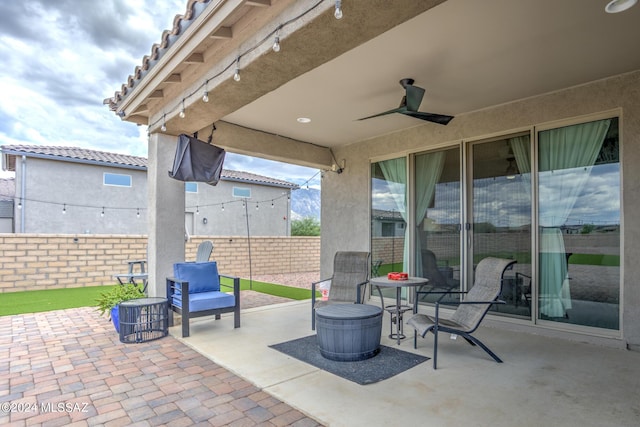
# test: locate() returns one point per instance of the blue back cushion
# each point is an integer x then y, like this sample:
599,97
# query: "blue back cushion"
202,276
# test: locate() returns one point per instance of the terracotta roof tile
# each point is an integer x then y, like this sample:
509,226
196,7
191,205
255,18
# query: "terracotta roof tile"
230,175
77,153
180,23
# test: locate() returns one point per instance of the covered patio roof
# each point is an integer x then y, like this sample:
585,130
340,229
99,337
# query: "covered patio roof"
467,55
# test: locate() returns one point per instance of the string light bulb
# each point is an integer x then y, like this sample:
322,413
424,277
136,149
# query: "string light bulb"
64,209
138,213
102,213
205,96
338,11
197,210
20,204
257,207
223,207
272,205
163,128
182,113
236,76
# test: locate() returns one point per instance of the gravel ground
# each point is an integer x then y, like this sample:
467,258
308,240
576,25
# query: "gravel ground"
298,280
250,299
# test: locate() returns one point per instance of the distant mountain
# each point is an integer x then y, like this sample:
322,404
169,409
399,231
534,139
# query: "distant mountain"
305,203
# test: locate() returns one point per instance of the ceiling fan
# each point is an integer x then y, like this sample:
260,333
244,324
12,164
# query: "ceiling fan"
410,104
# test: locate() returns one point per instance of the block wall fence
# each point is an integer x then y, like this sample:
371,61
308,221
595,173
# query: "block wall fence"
50,261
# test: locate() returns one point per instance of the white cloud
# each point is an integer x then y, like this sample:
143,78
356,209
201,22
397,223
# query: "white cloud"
62,58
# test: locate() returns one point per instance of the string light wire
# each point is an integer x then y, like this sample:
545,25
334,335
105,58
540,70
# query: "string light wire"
103,208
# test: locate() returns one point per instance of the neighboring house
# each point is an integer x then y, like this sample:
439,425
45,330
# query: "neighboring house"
7,190
70,190
546,102
387,223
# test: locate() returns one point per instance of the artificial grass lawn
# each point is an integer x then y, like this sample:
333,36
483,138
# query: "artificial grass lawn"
50,299
60,299
276,290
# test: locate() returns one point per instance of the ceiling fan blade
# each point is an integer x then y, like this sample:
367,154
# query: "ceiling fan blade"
414,97
440,119
395,110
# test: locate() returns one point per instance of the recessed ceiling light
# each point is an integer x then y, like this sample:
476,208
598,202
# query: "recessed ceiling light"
304,120
615,6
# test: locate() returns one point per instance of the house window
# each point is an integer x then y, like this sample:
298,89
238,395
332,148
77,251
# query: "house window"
191,187
242,192
116,179
388,229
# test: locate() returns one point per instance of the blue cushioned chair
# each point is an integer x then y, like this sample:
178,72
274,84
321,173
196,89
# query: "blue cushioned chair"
194,291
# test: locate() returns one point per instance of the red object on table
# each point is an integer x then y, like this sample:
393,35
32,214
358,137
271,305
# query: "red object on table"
397,276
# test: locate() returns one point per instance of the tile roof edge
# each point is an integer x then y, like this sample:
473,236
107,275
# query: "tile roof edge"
189,15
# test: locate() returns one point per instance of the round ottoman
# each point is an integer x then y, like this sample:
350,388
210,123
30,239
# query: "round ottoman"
349,332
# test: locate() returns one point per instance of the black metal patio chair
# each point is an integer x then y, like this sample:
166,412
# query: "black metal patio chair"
471,311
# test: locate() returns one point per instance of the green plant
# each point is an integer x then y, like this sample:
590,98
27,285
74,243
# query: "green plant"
307,226
107,300
587,228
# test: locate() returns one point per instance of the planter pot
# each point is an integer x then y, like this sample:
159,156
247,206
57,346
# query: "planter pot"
115,318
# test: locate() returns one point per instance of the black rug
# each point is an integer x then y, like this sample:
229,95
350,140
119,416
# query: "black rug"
387,363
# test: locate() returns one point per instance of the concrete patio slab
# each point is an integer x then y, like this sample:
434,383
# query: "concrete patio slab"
543,381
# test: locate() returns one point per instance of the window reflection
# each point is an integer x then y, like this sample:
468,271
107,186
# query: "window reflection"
579,215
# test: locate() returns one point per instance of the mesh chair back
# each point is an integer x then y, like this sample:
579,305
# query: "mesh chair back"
204,251
349,269
430,269
486,287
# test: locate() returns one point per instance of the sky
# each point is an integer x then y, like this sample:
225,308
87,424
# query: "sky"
62,58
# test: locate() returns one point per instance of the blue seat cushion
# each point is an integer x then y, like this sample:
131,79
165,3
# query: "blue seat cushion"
202,276
202,301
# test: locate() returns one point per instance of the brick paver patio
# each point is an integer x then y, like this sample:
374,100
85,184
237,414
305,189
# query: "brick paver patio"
68,367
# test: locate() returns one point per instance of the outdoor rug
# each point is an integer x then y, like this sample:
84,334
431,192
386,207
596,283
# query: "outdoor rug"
387,363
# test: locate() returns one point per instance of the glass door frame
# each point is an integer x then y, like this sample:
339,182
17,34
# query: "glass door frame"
536,320
466,235
468,195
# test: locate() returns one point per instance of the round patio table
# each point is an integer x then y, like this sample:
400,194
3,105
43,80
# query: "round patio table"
396,311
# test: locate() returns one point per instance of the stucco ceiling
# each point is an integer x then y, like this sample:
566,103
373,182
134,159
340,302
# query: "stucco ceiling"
467,54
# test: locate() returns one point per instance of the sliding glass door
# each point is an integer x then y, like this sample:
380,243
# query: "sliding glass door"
551,203
389,235
579,232
499,216
438,218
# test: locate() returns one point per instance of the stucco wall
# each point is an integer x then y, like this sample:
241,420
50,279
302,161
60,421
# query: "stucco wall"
45,261
51,184
265,220
347,195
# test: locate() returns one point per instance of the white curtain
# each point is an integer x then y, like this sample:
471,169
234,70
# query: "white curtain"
428,171
566,157
395,174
